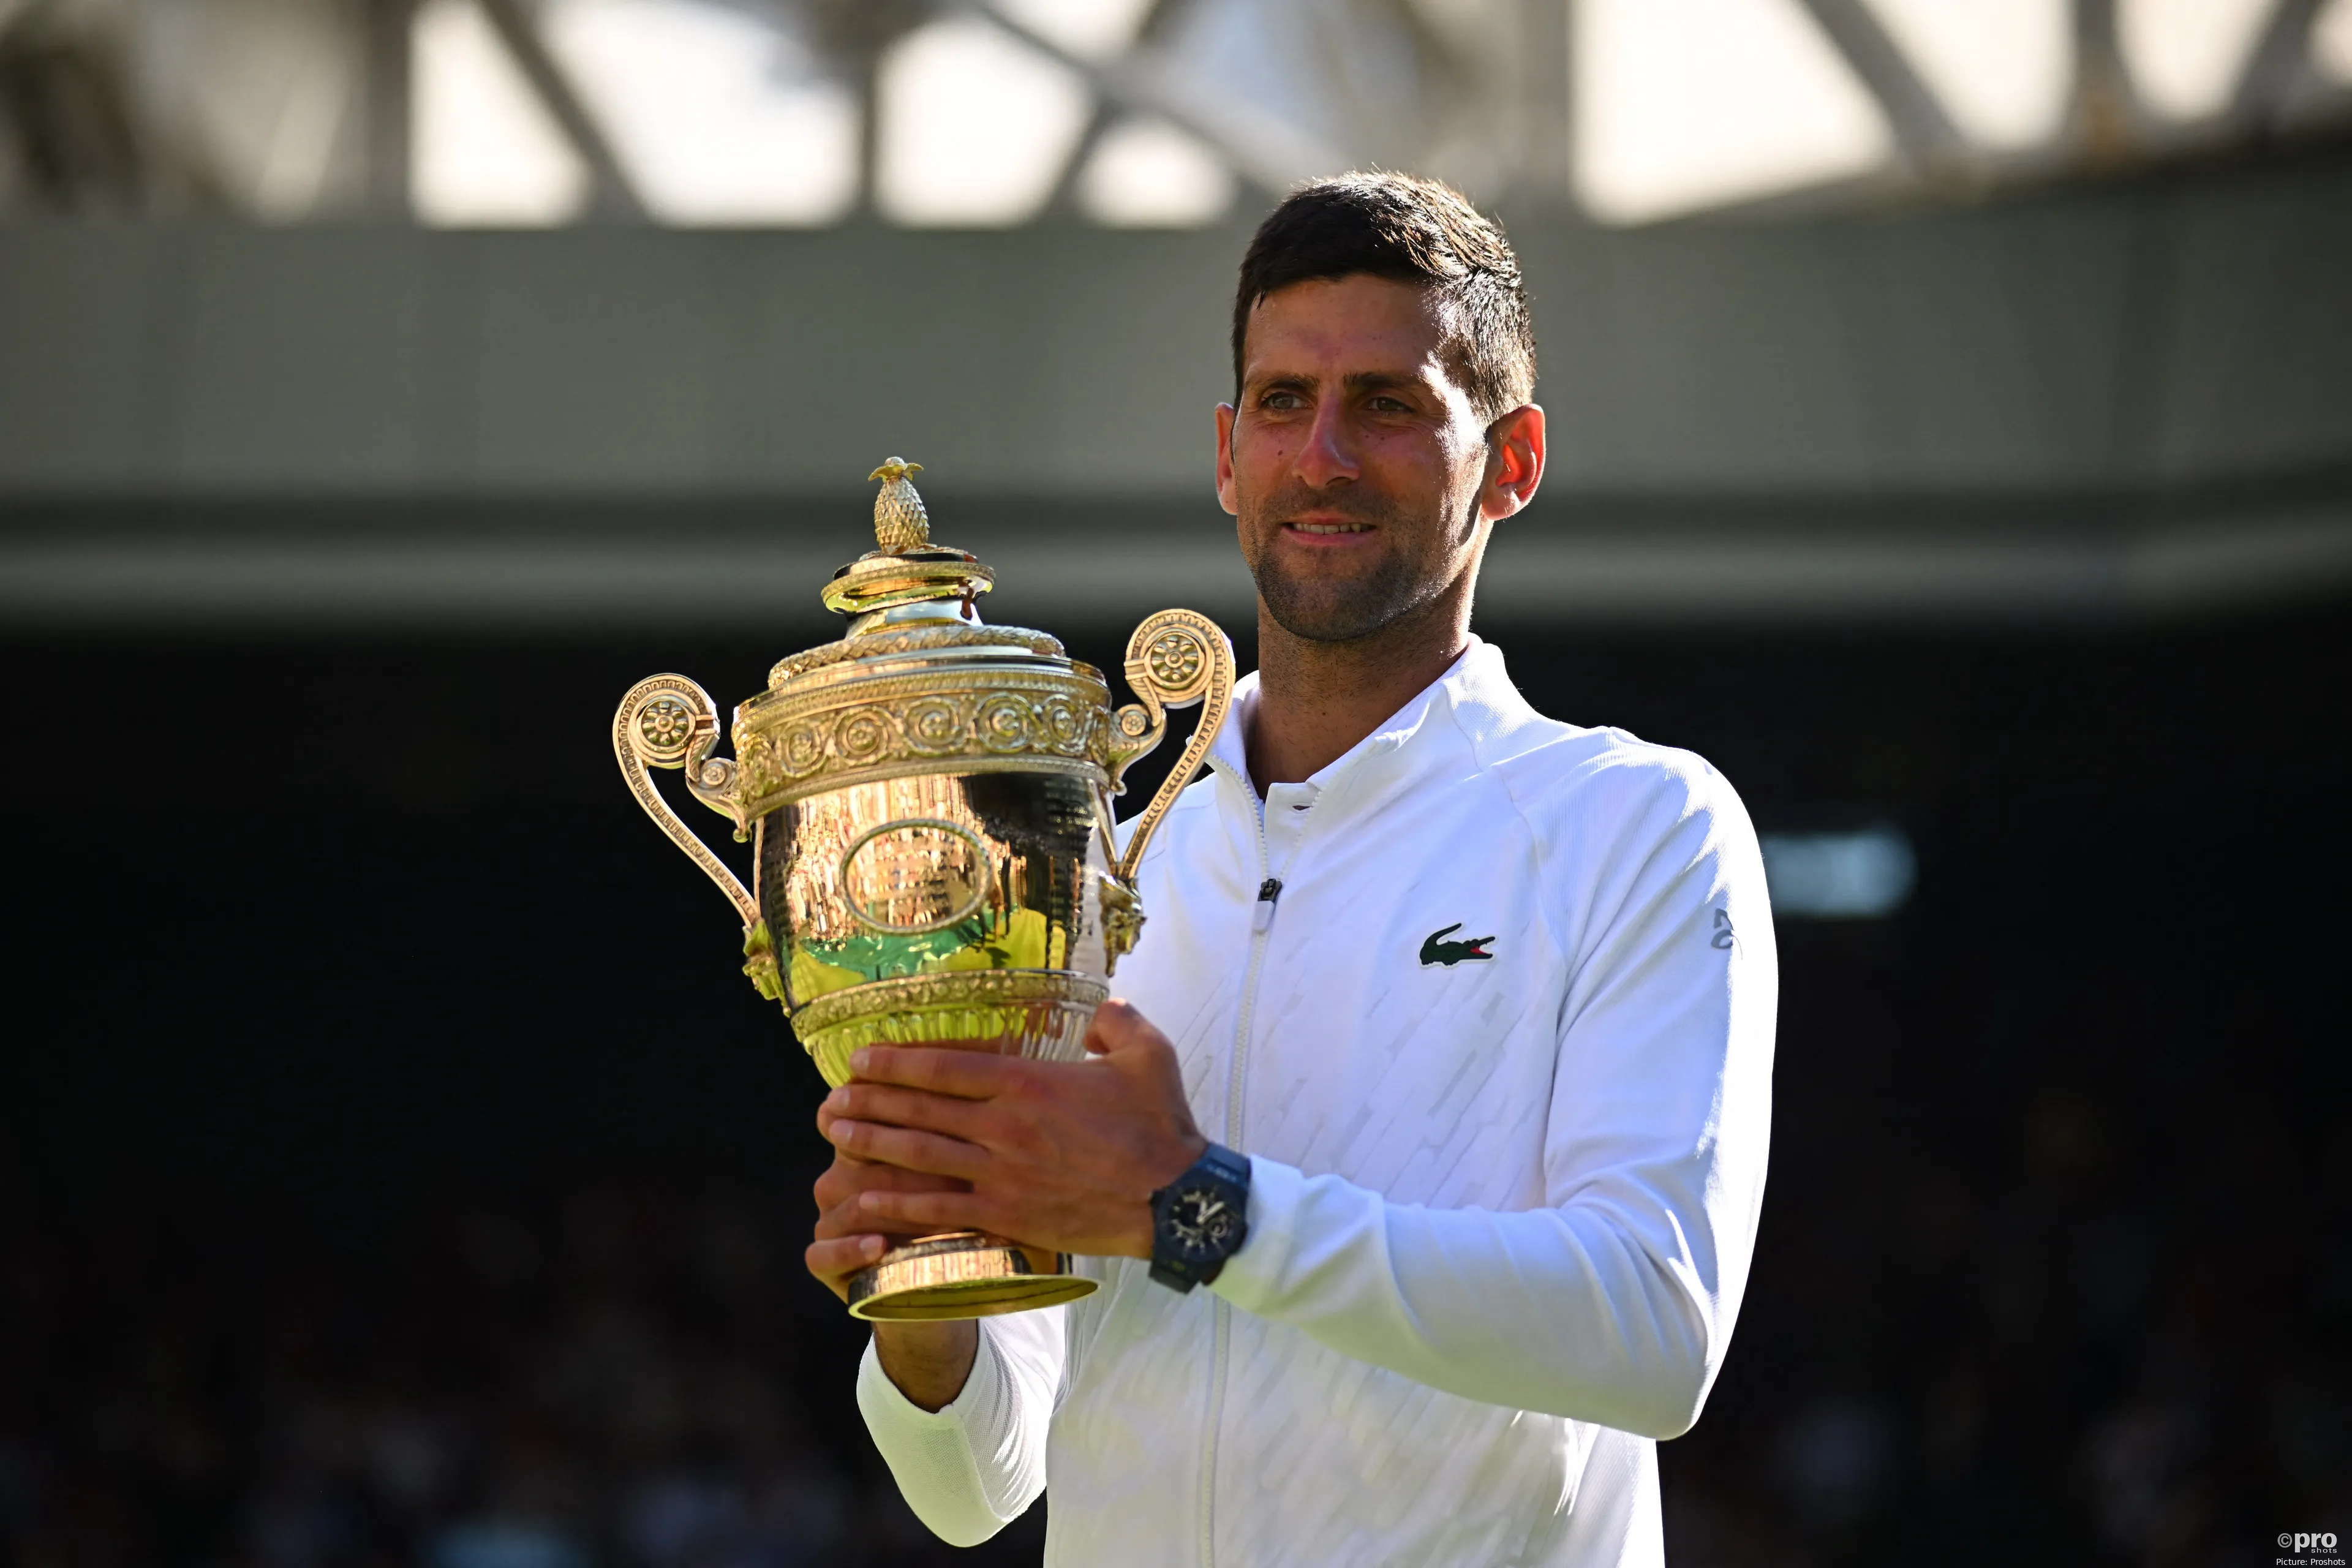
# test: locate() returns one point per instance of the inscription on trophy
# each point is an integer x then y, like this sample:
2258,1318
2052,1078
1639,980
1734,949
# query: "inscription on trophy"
920,875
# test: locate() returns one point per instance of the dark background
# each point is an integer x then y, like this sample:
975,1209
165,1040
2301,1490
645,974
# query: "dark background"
394,1166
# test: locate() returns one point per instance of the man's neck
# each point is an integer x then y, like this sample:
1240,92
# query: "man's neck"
1317,699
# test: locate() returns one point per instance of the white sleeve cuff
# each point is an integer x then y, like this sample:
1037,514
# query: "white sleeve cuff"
931,1452
1252,1277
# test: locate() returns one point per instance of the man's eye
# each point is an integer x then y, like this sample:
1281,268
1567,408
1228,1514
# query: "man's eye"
1389,405
1282,400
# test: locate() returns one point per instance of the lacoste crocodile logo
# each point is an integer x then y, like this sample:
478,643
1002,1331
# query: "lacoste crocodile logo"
1435,948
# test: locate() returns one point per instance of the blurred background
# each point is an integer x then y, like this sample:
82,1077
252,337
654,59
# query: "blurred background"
1952,414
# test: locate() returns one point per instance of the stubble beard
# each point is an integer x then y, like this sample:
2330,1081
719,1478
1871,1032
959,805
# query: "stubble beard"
1328,609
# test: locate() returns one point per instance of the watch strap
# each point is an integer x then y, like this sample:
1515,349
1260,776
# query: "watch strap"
1180,1276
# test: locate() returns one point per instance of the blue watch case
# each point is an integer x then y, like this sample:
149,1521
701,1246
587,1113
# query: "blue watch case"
1200,1219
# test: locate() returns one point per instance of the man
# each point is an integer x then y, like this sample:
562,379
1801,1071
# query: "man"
1476,1006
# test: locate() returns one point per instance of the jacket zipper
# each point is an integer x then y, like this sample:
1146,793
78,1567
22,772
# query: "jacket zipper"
1269,890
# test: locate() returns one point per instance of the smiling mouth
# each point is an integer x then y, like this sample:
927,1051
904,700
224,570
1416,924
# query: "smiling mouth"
1330,527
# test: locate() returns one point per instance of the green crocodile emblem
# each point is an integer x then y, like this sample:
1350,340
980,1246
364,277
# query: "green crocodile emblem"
1435,948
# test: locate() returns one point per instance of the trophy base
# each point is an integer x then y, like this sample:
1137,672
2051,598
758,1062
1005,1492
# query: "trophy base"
961,1274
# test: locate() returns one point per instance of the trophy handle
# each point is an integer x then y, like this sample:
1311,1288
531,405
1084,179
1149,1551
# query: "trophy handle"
1175,658
668,722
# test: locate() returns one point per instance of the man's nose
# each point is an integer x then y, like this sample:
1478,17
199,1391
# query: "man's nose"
1328,455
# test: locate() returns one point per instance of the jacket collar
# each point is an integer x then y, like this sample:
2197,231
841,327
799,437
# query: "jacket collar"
1475,697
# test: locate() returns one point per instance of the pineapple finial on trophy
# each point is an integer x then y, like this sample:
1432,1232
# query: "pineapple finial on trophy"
909,567
900,522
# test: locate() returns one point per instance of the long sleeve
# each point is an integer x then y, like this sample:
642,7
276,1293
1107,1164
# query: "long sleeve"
976,1464
1613,1302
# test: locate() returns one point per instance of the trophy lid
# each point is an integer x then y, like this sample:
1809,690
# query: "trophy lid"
909,598
906,568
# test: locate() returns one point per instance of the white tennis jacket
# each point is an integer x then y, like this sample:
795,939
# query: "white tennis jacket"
1500,1053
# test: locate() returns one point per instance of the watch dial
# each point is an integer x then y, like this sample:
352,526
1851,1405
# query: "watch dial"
1200,1221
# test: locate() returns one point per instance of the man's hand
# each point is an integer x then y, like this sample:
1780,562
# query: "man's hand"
848,1238
929,1362
1059,1155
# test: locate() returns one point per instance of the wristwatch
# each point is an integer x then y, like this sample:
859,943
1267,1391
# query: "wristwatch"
1200,1219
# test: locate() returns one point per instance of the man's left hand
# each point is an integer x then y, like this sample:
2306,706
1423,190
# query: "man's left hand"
1060,1155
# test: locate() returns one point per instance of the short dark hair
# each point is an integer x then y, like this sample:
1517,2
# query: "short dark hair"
1415,231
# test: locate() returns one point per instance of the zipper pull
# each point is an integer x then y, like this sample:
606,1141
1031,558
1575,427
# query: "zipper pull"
1262,914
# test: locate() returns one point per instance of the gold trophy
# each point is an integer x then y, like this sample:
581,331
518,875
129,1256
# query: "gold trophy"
929,805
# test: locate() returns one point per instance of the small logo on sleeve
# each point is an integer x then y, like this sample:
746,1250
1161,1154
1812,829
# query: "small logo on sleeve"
1435,948
1725,938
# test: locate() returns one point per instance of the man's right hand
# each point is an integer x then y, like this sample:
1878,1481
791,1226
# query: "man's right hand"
929,1362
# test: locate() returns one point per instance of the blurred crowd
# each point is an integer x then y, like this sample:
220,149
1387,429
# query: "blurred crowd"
607,1380
2052,1270
2010,1304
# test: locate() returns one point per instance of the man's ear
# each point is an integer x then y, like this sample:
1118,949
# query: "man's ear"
1227,497
1515,462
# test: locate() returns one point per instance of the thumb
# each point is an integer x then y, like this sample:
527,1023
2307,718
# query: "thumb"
1118,1028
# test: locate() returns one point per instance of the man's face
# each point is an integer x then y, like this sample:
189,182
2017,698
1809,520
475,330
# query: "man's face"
1354,460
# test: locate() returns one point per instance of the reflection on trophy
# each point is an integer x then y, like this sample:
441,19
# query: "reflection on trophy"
929,805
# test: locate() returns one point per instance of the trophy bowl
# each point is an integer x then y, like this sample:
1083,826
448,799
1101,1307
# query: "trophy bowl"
929,805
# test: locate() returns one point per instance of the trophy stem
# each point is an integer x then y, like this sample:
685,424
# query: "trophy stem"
961,1274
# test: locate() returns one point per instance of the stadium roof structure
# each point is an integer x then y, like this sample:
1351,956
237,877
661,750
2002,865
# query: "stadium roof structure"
591,312
1121,112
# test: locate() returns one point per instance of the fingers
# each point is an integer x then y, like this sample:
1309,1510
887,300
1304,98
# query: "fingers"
850,1218
833,1261
826,1117
908,1148
847,1176
1119,1027
918,1212
920,1109
849,1237
965,1074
